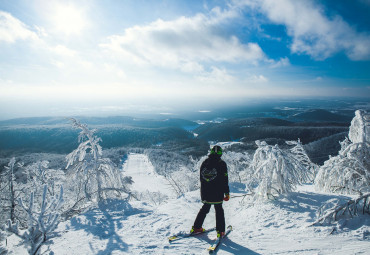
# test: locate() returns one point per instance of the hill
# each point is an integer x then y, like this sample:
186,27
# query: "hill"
318,115
124,121
55,135
251,129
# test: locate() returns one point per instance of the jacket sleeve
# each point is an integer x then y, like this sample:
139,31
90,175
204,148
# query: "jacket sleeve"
226,180
200,182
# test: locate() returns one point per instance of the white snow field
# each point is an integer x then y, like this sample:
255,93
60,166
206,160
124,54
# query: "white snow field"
139,167
278,227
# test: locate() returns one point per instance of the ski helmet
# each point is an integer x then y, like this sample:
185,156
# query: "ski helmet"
216,150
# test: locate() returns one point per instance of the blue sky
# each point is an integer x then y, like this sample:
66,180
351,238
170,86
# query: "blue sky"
114,57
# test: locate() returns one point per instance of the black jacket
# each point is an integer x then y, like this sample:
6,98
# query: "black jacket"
214,182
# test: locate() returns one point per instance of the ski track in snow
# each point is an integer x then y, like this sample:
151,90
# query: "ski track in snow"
278,227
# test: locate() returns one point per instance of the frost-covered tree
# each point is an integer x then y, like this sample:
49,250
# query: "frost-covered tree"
183,180
9,190
300,154
3,249
166,162
43,219
179,170
276,171
95,177
39,174
349,171
154,198
238,166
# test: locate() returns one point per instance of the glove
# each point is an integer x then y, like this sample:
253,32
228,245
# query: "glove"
227,197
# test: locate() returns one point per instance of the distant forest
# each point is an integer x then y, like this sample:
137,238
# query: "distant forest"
20,137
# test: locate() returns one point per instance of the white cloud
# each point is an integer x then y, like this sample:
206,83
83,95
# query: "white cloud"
216,76
258,79
184,43
282,62
63,51
312,31
12,29
68,59
192,67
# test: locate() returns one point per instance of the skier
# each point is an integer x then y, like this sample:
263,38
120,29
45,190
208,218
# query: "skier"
214,190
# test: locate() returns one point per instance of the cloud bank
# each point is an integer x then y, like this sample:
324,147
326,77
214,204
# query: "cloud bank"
313,33
12,29
185,43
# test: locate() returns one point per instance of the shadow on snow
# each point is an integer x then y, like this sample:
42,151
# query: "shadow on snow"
306,202
234,248
226,245
104,221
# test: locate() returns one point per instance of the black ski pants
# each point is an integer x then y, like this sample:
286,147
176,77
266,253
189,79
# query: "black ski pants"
220,216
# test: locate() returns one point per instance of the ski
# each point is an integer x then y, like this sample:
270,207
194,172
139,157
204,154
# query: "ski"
182,235
217,242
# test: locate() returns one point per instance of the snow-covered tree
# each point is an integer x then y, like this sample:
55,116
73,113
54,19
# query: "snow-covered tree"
276,171
95,177
349,171
43,219
238,166
8,189
183,180
39,174
154,198
3,249
300,154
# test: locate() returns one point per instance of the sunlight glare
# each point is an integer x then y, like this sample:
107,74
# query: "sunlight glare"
68,19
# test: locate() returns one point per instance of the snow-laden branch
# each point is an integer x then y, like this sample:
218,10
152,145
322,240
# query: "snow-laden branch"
300,154
96,177
40,223
276,171
9,190
353,207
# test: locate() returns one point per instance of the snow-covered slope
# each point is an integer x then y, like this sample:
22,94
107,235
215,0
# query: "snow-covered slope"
134,227
139,167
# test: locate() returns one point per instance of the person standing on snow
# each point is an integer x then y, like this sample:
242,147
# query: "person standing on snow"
214,189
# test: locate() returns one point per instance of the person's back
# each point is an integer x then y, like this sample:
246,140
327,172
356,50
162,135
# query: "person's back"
213,179
213,191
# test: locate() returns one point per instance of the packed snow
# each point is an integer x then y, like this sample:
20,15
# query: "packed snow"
136,227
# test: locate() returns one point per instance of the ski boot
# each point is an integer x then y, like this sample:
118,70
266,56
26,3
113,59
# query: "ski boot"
220,234
196,230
